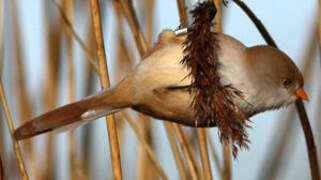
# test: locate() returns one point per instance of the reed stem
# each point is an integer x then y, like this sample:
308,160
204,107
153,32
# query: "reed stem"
178,159
16,146
68,8
71,29
182,13
204,153
187,154
145,145
319,27
129,13
214,154
104,79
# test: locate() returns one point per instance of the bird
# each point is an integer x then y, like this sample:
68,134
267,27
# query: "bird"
158,86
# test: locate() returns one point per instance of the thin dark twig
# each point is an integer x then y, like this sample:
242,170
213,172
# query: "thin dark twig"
259,25
273,160
312,152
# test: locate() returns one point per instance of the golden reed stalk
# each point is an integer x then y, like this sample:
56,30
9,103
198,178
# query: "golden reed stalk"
16,147
69,9
200,132
145,144
142,47
104,79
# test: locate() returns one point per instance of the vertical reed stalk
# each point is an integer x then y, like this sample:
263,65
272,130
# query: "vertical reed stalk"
143,158
147,8
25,107
84,46
150,6
226,148
215,156
187,154
142,46
71,29
104,78
54,36
178,159
16,147
227,161
146,146
190,146
204,153
218,16
200,132
182,13
1,35
319,26
69,9
89,84
124,64
88,128
129,13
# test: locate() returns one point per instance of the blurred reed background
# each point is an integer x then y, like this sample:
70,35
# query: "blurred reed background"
48,58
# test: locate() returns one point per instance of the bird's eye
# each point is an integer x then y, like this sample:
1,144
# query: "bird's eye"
286,82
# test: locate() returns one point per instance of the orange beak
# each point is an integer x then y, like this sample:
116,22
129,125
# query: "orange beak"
301,94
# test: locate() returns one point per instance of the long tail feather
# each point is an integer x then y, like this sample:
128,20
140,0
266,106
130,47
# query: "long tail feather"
71,115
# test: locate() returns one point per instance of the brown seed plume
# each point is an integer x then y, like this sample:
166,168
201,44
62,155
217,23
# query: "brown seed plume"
213,102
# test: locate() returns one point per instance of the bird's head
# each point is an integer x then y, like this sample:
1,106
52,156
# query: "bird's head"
277,79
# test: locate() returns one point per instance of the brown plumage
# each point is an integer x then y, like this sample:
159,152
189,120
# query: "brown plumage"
77,113
158,86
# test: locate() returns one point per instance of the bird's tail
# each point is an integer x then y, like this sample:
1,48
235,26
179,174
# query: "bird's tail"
74,114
